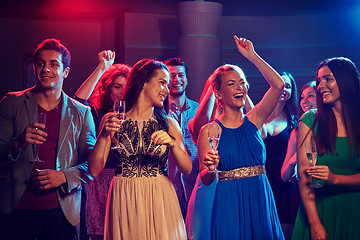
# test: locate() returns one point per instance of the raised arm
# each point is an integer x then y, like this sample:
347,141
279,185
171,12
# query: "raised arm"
262,110
106,59
204,111
248,106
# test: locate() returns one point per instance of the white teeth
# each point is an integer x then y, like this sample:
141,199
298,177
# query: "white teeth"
324,94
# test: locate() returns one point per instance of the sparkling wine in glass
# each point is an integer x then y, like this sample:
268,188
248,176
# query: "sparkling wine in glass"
119,108
214,137
38,118
311,154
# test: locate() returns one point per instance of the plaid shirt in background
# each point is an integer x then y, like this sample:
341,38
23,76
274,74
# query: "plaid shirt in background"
184,184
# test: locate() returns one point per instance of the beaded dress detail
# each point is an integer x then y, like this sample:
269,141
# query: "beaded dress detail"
142,202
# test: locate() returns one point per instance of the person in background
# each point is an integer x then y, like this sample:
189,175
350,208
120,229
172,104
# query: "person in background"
279,125
244,206
307,101
333,210
142,202
104,86
182,109
41,200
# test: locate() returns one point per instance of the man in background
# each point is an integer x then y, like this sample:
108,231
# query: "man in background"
182,109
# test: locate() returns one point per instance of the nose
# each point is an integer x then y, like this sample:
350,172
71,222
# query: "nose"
321,84
166,89
176,78
45,68
240,86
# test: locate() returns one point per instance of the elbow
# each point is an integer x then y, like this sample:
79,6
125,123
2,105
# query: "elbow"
279,85
93,170
93,173
188,170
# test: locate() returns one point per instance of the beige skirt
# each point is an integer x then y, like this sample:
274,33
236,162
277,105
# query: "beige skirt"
143,208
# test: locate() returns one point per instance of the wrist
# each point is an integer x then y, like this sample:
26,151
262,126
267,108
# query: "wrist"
15,148
254,57
314,223
334,180
102,67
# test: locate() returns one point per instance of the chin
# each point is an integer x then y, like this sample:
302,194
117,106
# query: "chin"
160,104
176,93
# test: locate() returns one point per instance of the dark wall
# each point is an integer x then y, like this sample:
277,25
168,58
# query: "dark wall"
291,43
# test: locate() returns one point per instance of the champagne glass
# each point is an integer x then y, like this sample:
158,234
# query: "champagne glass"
38,118
214,137
119,108
311,154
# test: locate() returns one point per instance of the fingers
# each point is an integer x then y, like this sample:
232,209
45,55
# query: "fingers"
319,172
47,178
35,134
161,138
211,160
112,123
107,55
244,45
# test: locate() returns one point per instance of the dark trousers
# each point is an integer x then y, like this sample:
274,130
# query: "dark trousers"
37,224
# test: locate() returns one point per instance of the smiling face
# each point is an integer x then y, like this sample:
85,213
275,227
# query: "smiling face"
327,86
157,88
287,91
179,80
117,89
48,69
233,89
308,99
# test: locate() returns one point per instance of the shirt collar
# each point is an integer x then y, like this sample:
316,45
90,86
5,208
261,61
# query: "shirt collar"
173,106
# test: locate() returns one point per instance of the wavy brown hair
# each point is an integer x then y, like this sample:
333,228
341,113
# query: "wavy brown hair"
100,98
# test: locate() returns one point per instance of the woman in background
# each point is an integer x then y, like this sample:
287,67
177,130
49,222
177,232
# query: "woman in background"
279,125
104,86
307,101
333,210
142,203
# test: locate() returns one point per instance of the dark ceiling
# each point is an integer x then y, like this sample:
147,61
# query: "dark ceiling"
103,8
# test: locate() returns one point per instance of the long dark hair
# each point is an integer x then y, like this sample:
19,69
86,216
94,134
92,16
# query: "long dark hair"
100,98
348,81
141,73
291,108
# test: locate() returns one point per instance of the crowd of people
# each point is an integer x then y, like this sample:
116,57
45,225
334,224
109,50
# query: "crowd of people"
153,174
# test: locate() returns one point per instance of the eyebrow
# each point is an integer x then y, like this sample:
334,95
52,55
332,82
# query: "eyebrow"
328,75
233,80
52,60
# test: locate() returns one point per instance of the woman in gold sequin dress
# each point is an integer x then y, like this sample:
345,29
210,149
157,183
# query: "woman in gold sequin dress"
142,202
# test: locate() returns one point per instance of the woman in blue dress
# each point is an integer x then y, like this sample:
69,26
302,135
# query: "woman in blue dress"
244,206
